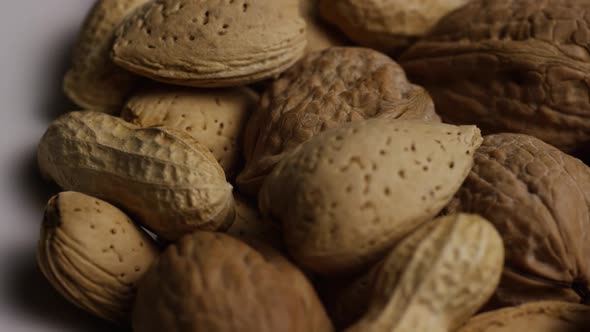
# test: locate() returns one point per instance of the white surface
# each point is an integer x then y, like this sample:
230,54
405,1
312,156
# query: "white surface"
36,38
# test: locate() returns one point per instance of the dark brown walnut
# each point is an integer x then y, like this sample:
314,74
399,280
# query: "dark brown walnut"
539,200
324,90
511,66
213,282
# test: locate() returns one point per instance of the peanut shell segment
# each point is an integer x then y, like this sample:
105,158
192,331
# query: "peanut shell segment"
436,278
163,177
348,194
211,43
93,254
216,283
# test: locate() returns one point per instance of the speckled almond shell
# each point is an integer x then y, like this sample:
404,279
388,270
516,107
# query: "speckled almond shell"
93,254
325,90
165,178
545,316
216,118
386,25
539,199
211,43
94,81
213,282
518,66
249,224
347,195
436,278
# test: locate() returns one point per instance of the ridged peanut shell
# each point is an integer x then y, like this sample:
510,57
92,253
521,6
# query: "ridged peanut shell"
436,278
544,316
347,195
211,43
325,90
93,80
216,283
93,254
163,177
215,118
539,199
389,26
249,224
511,66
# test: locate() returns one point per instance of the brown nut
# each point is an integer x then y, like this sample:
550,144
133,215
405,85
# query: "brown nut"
347,195
163,177
319,34
325,90
436,278
511,66
545,316
215,283
539,199
93,254
211,43
389,26
215,118
251,225
94,81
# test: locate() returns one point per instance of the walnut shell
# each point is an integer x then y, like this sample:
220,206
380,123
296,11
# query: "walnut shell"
213,282
325,90
347,195
511,66
539,199
93,254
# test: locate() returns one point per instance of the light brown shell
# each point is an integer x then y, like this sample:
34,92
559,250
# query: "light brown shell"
249,224
215,118
94,82
165,178
320,35
386,25
211,43
213,282
325,90
93,254
436,278
347,195
545,316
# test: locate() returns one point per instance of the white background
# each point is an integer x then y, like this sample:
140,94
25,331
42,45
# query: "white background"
36,37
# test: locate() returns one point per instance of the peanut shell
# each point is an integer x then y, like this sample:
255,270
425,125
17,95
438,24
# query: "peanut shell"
94,81
347,195
214,282
511,66
436,278
544,316
539,199
215,118
325,90
165,178
211,43
389,26
93,254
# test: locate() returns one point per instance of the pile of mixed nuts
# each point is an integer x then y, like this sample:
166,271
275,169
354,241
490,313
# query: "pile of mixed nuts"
293,182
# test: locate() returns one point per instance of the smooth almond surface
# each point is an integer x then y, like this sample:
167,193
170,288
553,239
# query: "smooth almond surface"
211,43
347,195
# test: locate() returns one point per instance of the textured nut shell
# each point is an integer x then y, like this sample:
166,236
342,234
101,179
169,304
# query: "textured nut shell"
539,199
545,316
211,43
511,66
347,195
249,224
94,81
436,278
165,178
325,90
213,282
93,254
215,118
319,34
386,25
